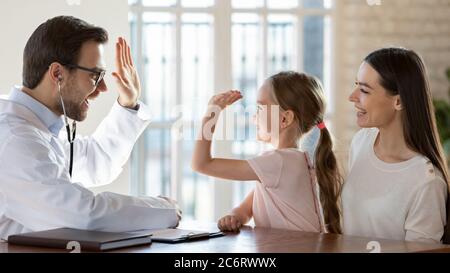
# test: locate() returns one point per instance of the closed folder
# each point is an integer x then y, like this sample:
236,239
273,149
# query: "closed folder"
88,240
176,235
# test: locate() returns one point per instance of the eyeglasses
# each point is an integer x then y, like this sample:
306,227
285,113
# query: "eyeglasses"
99,74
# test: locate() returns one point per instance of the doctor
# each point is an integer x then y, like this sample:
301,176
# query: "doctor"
39,189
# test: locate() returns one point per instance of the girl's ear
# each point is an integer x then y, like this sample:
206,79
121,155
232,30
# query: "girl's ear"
287,118
398,103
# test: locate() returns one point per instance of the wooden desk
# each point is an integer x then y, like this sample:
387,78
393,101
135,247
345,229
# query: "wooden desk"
262,240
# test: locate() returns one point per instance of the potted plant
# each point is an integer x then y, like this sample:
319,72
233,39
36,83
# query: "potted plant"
442,111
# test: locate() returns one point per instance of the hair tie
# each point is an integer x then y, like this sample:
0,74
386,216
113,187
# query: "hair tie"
321,125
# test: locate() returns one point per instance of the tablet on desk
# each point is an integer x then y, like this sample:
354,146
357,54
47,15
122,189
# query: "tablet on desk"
176,235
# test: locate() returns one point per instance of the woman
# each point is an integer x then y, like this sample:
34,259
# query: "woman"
398,179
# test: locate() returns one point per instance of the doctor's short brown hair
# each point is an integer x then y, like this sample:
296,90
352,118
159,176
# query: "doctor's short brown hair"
57,40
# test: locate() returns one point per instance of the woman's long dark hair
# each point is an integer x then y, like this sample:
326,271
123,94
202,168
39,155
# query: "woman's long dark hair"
402,72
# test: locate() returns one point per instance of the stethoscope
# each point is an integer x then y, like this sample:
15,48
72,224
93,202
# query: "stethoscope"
70,133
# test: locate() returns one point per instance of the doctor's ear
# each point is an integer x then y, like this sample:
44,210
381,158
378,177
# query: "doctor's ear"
56,72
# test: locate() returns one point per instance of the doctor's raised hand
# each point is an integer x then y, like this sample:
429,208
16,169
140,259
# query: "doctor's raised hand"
126,76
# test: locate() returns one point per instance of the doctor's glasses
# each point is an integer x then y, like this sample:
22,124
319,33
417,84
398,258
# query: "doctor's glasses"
98,74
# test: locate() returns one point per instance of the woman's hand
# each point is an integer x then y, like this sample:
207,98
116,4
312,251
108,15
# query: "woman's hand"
229,223
224,99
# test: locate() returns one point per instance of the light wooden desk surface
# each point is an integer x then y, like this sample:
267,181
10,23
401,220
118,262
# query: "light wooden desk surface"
262,240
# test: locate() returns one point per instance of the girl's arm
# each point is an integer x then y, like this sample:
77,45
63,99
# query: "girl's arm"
239,216
202,161
244,212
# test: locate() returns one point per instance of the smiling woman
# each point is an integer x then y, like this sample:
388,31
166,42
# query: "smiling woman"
375,106
397,185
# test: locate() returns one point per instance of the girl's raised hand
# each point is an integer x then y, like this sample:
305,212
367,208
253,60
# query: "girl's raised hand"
224,99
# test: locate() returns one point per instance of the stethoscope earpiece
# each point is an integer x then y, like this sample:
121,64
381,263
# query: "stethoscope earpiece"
70,133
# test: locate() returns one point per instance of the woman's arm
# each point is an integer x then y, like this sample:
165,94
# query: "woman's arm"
426,217
202,161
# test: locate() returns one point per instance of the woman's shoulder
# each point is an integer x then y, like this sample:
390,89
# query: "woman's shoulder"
427,172
427,182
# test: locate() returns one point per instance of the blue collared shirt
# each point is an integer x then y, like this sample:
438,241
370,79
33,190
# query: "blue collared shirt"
53,122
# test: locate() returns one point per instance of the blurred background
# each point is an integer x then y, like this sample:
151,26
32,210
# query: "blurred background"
187,50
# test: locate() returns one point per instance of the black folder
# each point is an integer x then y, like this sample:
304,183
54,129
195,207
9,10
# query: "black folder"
88,240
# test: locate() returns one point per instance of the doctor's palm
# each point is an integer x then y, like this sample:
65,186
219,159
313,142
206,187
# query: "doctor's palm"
126,76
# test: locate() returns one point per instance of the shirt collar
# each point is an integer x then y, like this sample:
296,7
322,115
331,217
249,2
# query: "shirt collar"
53,122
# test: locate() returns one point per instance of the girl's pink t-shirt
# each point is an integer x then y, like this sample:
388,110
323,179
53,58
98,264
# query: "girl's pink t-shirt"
287,197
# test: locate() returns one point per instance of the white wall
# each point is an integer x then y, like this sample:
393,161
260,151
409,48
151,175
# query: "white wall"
19,18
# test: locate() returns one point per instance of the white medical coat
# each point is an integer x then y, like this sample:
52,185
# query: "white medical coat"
36,192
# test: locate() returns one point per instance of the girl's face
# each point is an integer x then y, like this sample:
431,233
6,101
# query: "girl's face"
374,106
266,108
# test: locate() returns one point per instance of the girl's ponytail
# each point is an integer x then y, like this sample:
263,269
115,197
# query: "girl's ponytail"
329,180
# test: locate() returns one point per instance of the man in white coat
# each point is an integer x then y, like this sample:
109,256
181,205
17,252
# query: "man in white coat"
63,70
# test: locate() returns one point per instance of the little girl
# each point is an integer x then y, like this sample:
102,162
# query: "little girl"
290,193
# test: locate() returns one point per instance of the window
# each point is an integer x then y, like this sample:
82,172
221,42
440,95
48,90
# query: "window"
187,49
